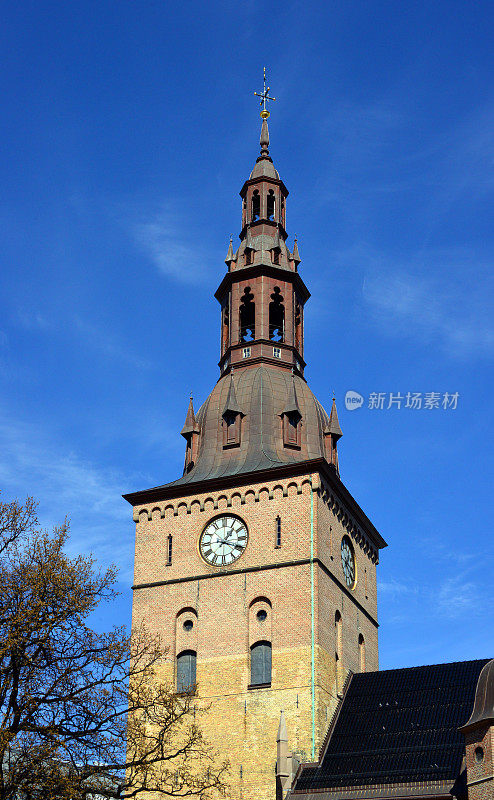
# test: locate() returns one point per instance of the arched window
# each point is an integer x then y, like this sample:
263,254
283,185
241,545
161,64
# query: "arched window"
361,652
186,671
276,316
271,205
247,316
256,206
260,663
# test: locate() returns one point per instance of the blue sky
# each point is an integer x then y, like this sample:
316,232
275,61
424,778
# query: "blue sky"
127,131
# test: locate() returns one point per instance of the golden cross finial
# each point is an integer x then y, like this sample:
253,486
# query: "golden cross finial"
265,98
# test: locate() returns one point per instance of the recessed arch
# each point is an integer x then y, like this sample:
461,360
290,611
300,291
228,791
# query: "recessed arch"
187,610
261,599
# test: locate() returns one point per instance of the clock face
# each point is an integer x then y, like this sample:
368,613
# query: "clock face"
348,561
223,540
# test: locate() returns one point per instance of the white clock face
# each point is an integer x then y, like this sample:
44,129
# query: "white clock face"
223,540
348,561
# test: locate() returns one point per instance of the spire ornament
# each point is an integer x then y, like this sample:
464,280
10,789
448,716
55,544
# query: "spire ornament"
265,98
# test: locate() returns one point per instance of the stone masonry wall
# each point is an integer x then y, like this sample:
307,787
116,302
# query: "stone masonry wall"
222,604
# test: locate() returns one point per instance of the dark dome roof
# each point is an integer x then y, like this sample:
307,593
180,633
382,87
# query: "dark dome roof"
262,393
483,707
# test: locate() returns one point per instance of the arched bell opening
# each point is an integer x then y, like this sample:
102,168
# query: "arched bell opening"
277,317
271,205
256,206
247,316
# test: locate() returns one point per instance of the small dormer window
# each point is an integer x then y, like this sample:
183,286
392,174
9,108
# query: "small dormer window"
248,256
232,423
256,206
292,422
271,205
275,255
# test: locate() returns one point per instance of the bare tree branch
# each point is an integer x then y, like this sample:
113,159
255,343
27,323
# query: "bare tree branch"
85,713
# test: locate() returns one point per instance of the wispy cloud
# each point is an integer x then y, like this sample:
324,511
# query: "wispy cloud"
95,337
455,596
34,321
166,240
33,462
448,599
107,343
452,314
443,297
395,589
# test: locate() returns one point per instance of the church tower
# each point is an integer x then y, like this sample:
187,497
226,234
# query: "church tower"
257,567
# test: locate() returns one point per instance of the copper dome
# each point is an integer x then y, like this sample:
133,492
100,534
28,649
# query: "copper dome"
262,393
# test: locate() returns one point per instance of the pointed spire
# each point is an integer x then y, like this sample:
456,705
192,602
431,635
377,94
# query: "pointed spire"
282,735
190,425
284,761
334,425
264,140
292,406
229,256
295,254
231,404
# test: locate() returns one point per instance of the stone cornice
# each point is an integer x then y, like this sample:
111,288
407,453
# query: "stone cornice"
254,270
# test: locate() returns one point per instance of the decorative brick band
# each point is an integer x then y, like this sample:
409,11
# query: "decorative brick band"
348,522
262,493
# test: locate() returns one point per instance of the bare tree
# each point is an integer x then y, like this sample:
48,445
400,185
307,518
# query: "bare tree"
84,713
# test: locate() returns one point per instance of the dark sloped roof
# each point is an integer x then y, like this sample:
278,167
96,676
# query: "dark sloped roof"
262,394
398,726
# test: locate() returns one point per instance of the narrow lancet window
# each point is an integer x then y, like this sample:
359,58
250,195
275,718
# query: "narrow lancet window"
278,532
361,652
186,671
338,630
260,663
169,549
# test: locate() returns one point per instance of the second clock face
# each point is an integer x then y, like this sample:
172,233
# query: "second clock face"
223,540
348,561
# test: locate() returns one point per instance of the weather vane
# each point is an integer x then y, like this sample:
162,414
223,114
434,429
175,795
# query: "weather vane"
265,98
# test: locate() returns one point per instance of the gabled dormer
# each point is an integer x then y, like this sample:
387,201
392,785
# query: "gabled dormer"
232,419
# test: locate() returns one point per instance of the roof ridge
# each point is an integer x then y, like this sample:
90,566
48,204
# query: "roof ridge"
424,666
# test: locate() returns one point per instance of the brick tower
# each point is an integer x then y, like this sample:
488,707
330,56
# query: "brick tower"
257,566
